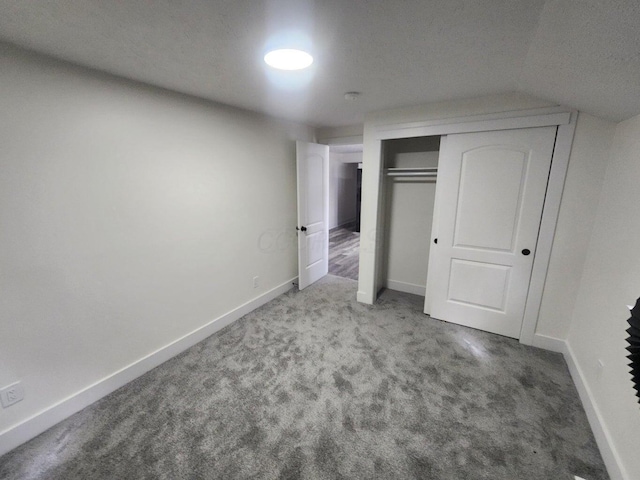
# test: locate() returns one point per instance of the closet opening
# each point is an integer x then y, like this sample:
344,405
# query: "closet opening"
409,190
345,183
499,185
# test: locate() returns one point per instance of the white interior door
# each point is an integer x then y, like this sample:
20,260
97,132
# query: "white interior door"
490,194
313,212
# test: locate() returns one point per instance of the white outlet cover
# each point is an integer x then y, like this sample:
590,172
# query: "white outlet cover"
11,394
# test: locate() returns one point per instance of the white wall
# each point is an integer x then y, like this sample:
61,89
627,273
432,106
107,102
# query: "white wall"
130,217
408,218
585,175
337,135
343,187
611,280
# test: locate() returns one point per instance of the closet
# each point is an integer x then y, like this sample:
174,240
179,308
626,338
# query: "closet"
410,172
461,220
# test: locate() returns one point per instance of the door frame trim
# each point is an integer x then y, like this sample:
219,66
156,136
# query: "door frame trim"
562,117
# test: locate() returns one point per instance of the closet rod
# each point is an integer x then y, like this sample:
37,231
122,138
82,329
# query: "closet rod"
412,169
412,174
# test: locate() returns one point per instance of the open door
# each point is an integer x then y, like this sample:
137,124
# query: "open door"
489,198
313,212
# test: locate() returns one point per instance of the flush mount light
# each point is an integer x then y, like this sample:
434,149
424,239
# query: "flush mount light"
288,59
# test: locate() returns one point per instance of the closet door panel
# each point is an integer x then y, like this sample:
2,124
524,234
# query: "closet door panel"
490,194
466,275
491,181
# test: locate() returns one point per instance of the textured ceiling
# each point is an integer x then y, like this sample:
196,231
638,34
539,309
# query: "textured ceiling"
582,53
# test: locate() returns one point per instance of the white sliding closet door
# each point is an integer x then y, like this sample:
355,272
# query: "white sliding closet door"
489,199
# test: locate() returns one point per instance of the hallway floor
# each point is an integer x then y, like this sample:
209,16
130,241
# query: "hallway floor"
344,251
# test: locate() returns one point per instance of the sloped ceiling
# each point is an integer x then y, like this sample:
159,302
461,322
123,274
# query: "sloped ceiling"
581,53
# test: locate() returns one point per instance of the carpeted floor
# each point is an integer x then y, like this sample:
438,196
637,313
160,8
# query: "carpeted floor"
316,386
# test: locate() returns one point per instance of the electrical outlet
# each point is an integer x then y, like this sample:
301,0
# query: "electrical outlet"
256,282
11,394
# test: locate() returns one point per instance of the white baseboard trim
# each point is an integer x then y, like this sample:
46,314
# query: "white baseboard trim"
42,421
549,343
600,431
406,287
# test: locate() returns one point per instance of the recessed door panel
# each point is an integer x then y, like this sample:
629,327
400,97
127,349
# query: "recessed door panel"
479,284
490,194
315,189
491,183
315,248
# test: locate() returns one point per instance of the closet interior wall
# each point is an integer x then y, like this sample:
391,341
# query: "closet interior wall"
409,207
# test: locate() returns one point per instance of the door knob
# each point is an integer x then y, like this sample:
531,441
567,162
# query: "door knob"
526,251
303,229
435,240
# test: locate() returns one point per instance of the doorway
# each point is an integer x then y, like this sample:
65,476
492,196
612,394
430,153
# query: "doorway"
345,180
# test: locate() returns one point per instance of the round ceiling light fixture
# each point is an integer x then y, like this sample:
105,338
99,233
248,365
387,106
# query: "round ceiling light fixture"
352,96
288,59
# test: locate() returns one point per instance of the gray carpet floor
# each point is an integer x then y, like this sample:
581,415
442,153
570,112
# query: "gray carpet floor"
314,385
